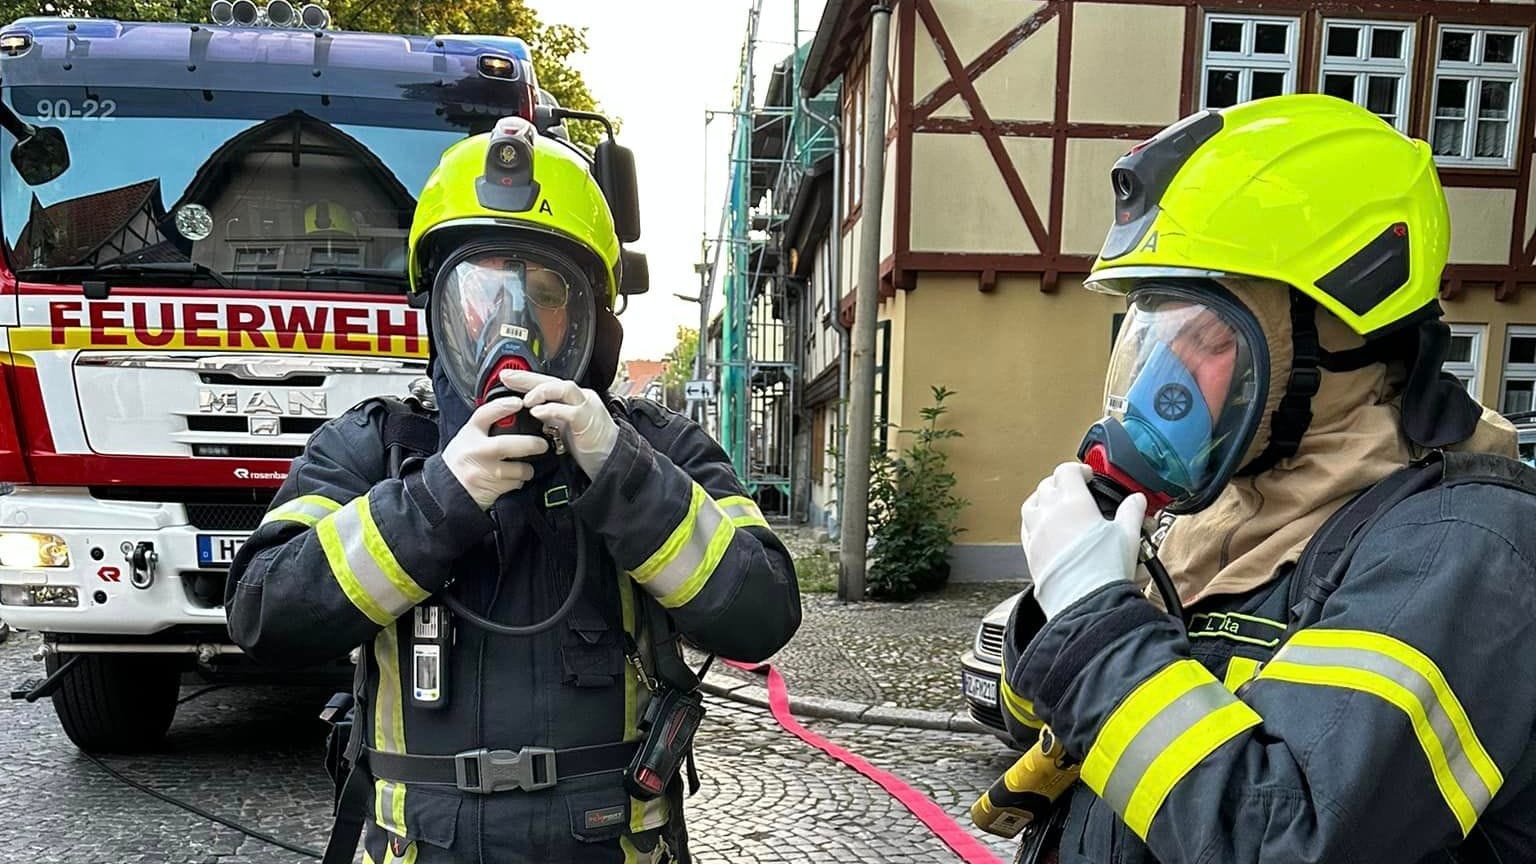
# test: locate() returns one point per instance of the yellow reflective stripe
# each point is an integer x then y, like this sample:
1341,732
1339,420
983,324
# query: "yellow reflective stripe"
1022,709
364,566
384,557
1400,675
678,571
341,571
1157,735
1240,670
305,510
388,729
391,858
743,512
1179,758
674,543
368,859
635,856
718,543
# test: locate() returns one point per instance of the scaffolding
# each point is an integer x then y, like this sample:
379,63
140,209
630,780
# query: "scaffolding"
755,363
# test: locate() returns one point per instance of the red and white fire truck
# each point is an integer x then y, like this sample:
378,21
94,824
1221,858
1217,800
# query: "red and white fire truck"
204,234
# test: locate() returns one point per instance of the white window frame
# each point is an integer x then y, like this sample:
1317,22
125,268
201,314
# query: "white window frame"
1362,65
1475,74
1516,371
1472,370
1245,62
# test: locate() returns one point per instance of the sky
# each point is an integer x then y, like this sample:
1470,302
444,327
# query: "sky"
661,80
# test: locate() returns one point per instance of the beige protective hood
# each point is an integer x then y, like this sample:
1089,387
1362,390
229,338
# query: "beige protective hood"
1260,523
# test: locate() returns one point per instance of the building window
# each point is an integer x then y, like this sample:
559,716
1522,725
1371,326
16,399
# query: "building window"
1368,63
250,259
1476,95
1519,371
1465,359
854,111
1247,57
335,256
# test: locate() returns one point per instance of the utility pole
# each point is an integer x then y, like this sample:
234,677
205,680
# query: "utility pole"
861,413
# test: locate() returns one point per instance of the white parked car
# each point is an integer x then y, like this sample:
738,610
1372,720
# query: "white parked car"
981,667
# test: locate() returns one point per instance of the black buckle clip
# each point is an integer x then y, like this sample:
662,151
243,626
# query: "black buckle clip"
486,771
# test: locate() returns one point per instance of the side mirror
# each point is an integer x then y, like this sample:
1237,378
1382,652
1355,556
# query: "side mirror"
634,273
614,167
42,156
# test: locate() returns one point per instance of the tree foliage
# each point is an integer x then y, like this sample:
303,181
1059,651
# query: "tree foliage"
680,362
913,510
553,45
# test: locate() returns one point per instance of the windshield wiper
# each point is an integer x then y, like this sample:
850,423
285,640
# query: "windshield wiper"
119,269
386,275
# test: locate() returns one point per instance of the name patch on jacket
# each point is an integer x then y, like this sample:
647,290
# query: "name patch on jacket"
1247,629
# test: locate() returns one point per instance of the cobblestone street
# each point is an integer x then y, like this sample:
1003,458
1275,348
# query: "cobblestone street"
254,756
892,654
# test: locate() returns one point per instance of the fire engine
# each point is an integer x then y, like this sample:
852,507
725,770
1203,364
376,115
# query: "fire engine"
204,260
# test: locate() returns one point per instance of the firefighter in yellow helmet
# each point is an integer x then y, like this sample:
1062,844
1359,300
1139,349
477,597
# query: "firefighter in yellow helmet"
520,561
1331,676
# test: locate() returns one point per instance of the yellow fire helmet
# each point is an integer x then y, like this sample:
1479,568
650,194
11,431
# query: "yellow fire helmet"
1308,190
516,183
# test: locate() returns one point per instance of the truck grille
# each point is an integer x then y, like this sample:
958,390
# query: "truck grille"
247,451
225,517
286,425
990,645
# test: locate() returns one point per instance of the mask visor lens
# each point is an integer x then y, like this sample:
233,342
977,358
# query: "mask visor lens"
1182,384
494,304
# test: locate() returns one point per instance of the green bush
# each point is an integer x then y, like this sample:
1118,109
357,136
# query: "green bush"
913,510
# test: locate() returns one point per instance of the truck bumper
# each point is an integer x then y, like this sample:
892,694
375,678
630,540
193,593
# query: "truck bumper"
172,584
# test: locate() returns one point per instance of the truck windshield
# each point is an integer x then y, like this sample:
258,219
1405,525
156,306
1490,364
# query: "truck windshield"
268,191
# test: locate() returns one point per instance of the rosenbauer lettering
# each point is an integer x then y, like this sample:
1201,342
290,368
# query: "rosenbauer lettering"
235,325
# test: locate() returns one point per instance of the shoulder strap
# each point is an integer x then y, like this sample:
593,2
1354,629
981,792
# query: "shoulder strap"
1327,556
410,430
666,653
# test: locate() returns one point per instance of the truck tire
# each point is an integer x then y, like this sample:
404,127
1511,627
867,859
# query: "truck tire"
116,703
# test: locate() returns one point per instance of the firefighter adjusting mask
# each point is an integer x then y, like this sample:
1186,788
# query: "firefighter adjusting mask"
499,307
1184,396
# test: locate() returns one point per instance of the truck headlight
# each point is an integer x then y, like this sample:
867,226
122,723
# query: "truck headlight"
26,551
39,595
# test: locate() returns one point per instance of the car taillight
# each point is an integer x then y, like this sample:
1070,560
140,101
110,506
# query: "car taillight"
13,464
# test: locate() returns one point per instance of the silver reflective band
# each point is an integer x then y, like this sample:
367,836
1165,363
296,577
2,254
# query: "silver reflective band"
1157,736
1477,791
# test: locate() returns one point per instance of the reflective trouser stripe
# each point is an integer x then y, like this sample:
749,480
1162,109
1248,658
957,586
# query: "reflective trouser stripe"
1401,675
743,512
635,856
364,566
677,571
1022,709
390,858
305,510
643,815
388,730
1165,728
1240,670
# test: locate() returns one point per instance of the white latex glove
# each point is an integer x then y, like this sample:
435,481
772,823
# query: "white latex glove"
1072,549
480,461
579,416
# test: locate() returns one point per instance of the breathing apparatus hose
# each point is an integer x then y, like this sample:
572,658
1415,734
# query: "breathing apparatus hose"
1108,494
469,616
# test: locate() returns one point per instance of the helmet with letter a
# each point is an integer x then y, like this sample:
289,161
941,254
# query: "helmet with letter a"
515,250
1308,191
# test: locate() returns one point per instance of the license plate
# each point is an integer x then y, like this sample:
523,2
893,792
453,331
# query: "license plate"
979,689
218,550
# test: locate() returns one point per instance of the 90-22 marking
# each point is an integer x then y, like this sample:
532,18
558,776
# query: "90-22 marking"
88,109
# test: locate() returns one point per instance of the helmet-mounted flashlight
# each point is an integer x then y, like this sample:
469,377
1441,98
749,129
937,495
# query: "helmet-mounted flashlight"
508,183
